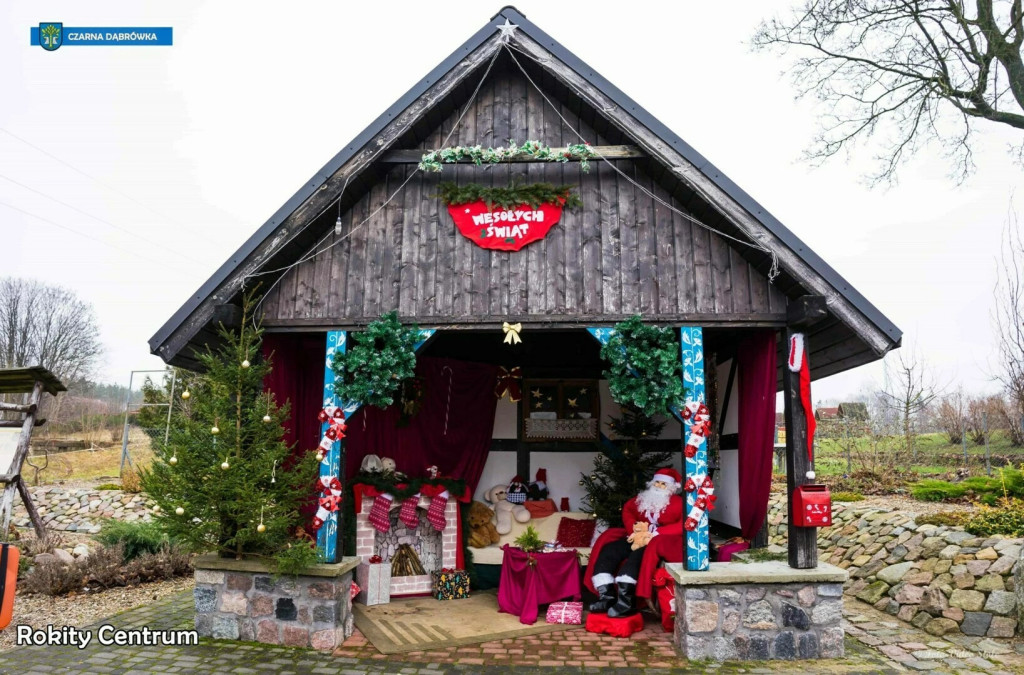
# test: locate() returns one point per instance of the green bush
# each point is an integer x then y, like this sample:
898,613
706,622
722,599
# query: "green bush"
109,486
1007,517
847,497
1006,482
946,518
137,538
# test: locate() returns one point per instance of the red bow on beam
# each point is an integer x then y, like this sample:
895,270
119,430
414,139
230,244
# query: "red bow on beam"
509,383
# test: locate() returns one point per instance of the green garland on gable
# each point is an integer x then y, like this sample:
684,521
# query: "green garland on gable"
380,358
534,150
533,194
644,369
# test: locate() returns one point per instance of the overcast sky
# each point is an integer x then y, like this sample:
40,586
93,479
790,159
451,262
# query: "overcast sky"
179,153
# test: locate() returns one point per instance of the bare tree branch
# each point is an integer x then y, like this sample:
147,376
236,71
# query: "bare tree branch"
905,73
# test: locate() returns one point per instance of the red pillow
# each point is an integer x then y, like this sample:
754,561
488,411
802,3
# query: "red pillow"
576,533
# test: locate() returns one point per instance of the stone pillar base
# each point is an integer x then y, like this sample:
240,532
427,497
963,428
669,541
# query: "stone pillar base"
241,600
759,611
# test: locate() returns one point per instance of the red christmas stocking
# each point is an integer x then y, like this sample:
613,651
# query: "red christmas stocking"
379,512
435,514
408,513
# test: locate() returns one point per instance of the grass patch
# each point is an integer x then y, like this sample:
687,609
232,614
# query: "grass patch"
1004,483
109,486
944,518
843,496
86,464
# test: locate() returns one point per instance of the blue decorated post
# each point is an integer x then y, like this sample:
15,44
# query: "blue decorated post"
695,418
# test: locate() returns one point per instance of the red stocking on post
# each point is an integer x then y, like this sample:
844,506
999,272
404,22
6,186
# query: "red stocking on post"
379,512
408,513
435,514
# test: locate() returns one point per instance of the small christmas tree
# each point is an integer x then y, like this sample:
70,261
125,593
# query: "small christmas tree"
619,474
225,480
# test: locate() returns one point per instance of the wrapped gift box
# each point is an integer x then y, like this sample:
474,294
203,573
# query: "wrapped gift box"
565,612
374,580
448,584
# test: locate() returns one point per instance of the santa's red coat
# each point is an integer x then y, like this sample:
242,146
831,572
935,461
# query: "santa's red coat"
669,538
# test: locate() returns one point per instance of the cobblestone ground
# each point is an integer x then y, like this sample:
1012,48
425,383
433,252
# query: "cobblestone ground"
874,645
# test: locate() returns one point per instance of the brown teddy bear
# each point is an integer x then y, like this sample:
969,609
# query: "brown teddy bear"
482,532
641,536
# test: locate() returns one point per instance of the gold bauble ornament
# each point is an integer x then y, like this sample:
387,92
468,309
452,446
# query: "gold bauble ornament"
180,511
172,461
224,465
214,430
245,364
266,419
261,528
185,394
319,456
156,508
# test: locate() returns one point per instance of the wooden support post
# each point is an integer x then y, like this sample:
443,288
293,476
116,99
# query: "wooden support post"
17,407
803,541
33,514
7,504
698,545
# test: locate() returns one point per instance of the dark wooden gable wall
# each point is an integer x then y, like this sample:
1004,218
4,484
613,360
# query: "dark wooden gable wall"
623,253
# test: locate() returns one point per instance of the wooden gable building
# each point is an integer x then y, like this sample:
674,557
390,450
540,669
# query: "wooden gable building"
662,233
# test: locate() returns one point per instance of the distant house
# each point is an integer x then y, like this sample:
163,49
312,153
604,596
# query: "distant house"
826,414
854,411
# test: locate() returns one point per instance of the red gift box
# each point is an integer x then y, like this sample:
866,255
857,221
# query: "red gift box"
565,612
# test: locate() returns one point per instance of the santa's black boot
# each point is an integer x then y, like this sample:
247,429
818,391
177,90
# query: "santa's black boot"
605,599
624,605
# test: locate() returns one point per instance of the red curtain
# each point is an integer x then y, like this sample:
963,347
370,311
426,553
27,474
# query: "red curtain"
452,430
757,378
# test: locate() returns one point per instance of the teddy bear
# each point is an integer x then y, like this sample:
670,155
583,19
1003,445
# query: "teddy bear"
505,511
641,536
482,532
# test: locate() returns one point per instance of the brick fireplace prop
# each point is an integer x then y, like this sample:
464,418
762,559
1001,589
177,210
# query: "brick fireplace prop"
436,549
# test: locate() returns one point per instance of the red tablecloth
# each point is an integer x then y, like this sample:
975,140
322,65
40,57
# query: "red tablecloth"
532,579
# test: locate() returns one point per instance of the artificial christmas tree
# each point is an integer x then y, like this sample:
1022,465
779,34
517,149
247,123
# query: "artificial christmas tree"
225,480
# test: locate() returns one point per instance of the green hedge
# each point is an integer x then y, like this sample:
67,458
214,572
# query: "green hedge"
987,490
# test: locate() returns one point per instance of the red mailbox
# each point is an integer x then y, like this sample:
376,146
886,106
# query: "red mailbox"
812,506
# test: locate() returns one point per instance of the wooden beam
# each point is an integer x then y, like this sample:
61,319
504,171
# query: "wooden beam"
17,407
806,310
7,503
606,151
33,514
803,541
16,424
493,322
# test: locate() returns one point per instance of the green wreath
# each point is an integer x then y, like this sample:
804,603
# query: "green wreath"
644,370
380,358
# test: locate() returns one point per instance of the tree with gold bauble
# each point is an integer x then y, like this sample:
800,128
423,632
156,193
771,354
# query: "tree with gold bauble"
209,507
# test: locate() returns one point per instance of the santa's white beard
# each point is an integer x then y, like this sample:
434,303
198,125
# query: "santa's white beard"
652,501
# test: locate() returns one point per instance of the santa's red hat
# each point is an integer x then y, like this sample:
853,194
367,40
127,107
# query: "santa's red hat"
668,475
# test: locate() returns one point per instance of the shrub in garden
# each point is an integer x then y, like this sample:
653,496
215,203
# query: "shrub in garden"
1006,482
105,568
847,497
109,486
945,518
137,538
1006,517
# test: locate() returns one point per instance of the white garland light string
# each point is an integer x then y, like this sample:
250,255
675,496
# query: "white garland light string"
353,230
773,271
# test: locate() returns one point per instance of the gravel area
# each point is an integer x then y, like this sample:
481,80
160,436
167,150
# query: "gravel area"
83,609
908,505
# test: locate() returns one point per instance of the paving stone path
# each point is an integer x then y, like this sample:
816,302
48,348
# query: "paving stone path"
875,644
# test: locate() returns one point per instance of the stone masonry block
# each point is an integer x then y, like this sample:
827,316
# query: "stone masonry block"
209,577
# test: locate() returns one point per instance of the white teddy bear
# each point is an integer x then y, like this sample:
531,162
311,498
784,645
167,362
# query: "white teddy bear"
504,510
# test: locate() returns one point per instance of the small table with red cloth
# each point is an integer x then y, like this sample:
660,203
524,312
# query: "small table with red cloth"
532,579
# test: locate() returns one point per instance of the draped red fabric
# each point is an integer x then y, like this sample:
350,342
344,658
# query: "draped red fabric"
298,377
452,430
757,378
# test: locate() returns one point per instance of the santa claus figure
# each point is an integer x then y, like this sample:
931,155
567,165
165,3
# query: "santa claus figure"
656,511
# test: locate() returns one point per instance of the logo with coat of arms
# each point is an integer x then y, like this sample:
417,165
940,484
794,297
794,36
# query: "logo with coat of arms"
51,36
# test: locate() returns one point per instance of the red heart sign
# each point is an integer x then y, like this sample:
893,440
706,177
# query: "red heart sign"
504,229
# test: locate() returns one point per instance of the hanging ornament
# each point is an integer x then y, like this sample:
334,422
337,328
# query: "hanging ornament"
266,418
581,482
173,460
185,395
214,429
224,465
261,528
180,511
273,473
245,363
509,383
512,332
319,456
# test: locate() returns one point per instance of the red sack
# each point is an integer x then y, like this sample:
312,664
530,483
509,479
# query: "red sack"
666,586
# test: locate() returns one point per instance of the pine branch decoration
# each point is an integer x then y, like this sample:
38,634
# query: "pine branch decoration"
533,194
379,359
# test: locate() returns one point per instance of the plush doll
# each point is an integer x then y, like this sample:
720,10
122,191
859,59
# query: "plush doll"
641,536
504,511
371,464
538,489
482,532
388,467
